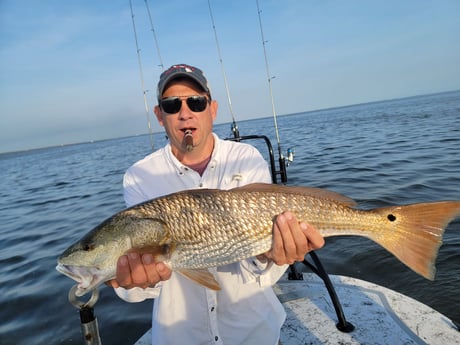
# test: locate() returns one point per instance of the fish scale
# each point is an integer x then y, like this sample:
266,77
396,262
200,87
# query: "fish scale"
210,232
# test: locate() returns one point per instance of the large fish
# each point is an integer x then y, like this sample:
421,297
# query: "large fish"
197,229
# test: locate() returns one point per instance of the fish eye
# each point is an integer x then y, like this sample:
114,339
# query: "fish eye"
87,247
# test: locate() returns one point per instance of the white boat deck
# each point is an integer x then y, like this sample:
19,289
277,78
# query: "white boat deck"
380,315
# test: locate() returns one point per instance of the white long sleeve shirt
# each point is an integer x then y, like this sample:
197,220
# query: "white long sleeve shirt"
245,310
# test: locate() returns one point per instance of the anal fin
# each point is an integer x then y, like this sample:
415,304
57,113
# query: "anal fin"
202,277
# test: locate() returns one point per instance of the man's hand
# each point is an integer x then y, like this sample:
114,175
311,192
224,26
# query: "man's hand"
292,240
135,270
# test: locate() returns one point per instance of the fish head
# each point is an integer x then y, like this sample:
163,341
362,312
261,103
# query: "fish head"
92,260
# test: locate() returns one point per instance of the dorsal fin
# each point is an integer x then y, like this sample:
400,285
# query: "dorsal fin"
307,191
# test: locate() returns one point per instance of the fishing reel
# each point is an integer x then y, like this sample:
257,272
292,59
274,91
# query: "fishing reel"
290,153
284,162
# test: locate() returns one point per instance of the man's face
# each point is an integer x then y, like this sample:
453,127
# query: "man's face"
199,123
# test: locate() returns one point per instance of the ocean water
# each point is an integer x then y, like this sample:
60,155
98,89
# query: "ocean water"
392,152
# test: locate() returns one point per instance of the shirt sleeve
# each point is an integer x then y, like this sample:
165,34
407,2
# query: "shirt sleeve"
132,194
258,169
138,294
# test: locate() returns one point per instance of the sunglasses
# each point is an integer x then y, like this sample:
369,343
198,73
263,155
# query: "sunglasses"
172,105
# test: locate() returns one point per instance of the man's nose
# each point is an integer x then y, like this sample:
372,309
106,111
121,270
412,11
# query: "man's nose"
184,111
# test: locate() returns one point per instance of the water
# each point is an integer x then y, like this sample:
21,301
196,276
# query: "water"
391,152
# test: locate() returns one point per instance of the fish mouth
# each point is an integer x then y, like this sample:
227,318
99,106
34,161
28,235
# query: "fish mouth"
88,278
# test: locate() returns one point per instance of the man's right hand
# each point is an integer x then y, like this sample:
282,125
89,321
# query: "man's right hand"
136,270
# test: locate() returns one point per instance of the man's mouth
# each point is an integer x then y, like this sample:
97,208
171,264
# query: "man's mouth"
188,130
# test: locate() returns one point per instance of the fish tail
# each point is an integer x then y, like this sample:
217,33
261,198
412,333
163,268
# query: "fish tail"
416,233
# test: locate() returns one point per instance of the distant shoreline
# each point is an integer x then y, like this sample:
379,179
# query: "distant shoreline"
3,154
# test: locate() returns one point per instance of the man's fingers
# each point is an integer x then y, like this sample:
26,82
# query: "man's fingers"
155,271
149,267
315,240
112,283
138,274
300,242
277,253
294,241
123,271
287,225
139,270
163,271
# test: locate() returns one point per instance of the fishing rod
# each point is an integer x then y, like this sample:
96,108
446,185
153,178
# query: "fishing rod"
234,127
283,161
141,74
235,130
154,35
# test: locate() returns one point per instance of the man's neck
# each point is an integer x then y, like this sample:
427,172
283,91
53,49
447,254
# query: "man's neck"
201,166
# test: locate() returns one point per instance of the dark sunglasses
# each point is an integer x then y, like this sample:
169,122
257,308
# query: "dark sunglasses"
172,105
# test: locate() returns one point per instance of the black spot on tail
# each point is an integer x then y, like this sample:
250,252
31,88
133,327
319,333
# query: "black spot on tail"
391,217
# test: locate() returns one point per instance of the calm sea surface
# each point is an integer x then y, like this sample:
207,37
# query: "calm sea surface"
392,152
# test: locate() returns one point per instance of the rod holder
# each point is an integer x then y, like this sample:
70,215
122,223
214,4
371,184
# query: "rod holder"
89,325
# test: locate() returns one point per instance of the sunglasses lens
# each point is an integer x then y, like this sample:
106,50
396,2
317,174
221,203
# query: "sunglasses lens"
197,103
171,105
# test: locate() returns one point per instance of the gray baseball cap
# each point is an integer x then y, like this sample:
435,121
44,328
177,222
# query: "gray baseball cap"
182,70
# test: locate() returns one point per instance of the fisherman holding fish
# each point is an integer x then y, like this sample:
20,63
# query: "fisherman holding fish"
206,234
245,310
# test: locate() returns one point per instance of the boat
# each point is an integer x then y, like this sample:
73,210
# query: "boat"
379,315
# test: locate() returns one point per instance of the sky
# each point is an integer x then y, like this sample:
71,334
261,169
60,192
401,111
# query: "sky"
69,70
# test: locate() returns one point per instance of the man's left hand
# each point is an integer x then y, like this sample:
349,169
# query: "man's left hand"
292,239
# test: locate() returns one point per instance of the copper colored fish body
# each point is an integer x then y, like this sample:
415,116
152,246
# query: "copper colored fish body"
197,229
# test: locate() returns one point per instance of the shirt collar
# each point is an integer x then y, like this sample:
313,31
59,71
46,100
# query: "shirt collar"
181,168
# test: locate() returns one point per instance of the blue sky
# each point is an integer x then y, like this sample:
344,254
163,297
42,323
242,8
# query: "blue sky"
69,71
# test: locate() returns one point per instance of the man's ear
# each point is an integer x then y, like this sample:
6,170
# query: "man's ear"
158,114
214,105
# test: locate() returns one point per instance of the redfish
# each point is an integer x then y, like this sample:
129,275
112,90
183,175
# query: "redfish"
196,229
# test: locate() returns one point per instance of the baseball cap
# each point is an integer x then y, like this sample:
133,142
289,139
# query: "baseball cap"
182,70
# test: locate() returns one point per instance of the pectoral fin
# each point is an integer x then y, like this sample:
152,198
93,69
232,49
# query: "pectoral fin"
202,277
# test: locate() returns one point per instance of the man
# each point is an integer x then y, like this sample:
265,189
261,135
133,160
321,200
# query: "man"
245,310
